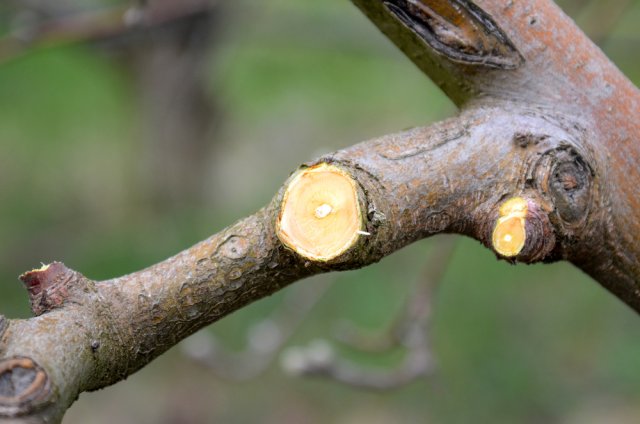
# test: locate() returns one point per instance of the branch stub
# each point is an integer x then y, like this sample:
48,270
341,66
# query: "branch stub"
24,386
320,216
510,234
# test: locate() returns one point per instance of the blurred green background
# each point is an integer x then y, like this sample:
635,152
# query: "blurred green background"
119,152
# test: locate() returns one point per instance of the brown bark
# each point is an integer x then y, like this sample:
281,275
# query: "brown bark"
563,77
545,117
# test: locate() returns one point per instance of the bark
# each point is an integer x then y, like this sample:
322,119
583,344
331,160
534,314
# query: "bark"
544,117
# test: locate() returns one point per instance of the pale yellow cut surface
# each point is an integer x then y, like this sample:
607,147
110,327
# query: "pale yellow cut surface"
516,206
510,234
320,214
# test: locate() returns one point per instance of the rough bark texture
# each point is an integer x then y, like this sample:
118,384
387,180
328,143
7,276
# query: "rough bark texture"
545,117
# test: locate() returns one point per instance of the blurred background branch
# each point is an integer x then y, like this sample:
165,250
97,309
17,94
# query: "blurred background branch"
409,332
264,340
164,47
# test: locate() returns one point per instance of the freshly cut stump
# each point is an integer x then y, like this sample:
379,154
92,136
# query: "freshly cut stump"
510,234
320,216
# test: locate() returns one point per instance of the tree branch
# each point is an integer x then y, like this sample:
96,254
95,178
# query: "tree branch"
450,177
562,75
539,166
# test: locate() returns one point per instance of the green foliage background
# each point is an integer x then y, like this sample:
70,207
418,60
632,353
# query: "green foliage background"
295,79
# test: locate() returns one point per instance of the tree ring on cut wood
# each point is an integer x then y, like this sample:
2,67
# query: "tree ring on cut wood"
320,216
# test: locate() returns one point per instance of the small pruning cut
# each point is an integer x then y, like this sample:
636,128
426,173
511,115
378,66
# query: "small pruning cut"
320,214
23,385
510,234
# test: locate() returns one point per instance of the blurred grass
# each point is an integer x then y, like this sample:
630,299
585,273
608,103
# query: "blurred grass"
296,79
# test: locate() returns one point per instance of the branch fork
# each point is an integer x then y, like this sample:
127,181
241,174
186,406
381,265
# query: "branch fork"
536,167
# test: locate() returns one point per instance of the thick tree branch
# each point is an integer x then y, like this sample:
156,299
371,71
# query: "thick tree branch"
448,177
538,167
562,75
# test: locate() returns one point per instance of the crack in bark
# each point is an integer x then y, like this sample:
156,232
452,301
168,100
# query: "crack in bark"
459,30
427,147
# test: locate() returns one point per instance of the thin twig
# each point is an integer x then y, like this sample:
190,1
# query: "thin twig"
410,331
263,341
319,360
415,313
58,31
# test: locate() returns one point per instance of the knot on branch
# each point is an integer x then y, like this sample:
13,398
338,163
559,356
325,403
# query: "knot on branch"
543,214
542,218
565,178
569,185
24,386
50,287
